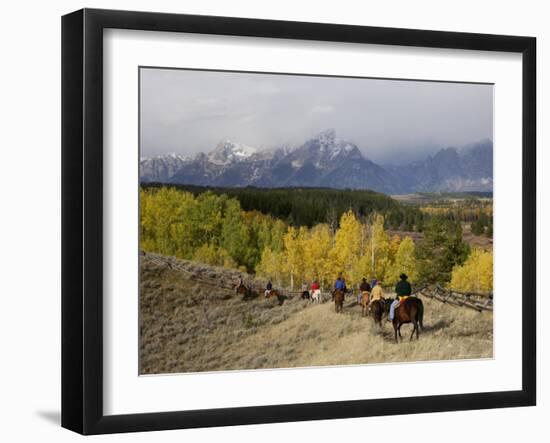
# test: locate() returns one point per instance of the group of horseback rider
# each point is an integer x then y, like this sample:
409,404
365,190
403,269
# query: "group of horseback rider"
368,292
374,291
403,309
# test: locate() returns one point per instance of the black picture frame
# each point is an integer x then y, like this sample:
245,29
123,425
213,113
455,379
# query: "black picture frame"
82,218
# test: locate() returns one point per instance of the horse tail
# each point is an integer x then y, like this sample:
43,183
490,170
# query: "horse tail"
420,313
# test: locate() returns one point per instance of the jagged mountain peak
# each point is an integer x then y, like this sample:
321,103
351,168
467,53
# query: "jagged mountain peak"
171,156
326,138
326,160
325,148
228,151
161,167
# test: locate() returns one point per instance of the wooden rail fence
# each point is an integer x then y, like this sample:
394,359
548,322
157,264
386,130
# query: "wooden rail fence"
473,300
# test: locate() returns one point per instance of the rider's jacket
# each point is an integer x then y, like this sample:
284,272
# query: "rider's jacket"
403,288
340,284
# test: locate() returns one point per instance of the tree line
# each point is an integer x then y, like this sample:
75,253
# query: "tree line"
310,206
215,229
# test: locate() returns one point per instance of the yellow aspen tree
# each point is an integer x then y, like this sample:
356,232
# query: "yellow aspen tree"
379,248
206,254
317,248
395,242
272,266
293,241
347,245
363,268
404,262
476,274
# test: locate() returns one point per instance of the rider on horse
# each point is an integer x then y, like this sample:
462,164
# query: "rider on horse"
315,291
315,286
377,292
403,290
339,284
268,288
363,287
239,284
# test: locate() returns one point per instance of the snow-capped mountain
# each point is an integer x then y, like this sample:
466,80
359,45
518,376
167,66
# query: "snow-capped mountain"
229,152
161,168
322,151
325,161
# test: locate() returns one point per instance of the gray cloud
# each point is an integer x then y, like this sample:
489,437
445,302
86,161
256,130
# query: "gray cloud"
187,112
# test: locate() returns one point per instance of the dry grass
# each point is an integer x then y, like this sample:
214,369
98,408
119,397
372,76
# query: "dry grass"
190,327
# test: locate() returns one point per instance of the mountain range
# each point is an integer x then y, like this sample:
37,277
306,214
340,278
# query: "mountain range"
325,161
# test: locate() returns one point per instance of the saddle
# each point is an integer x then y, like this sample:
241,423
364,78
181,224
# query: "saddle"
402,298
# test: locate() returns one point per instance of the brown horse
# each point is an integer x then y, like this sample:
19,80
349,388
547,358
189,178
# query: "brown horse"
379,308
365,297
274,293
338,297
410,310
246,291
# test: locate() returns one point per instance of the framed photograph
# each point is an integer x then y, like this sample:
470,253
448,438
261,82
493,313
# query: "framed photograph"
269,221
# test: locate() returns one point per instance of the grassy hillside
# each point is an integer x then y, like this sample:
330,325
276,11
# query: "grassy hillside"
189,324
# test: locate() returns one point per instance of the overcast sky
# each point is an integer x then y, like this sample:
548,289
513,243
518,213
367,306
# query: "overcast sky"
391,121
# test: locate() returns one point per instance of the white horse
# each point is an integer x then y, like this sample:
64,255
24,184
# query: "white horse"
316,296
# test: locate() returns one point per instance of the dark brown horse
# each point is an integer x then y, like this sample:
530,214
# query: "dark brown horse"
410,310
338,297
246,291
379,308
274,293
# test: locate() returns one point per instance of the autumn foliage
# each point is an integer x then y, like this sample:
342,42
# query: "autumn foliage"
213,229
476,274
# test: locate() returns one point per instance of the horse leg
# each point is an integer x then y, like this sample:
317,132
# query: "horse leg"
414,329
395,331
399,330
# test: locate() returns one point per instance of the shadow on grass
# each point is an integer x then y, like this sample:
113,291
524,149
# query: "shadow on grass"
437,326
388,334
